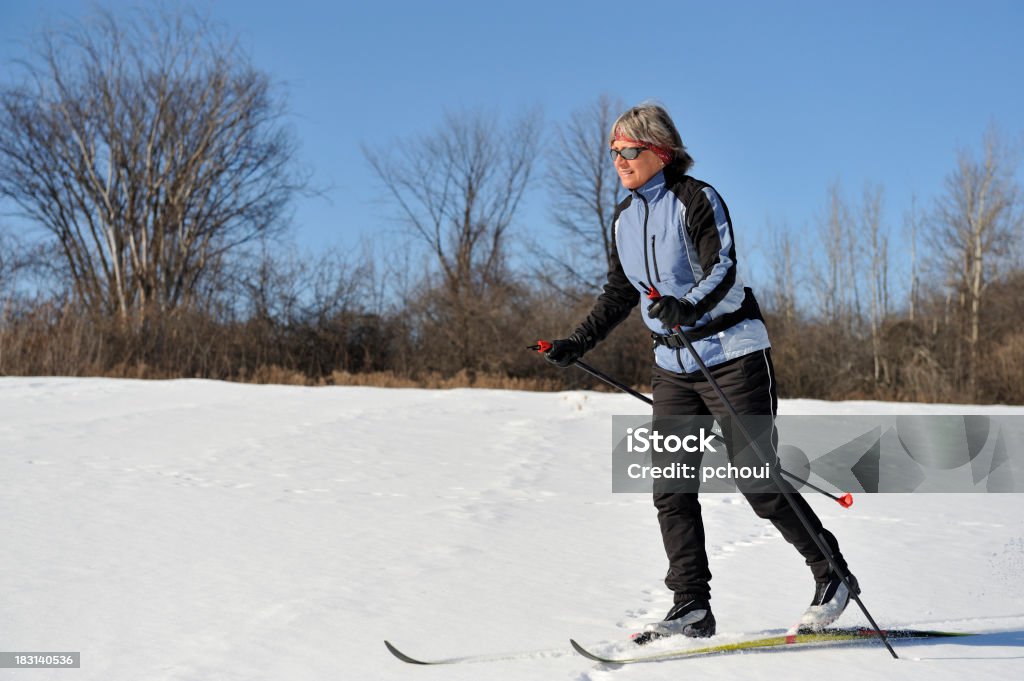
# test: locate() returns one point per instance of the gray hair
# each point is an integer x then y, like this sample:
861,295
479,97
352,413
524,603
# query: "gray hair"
651,124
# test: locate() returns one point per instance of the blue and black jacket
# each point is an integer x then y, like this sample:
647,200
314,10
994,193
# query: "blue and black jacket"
674,233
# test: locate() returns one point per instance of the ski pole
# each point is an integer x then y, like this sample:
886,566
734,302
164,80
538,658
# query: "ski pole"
542,346
653,294
846,501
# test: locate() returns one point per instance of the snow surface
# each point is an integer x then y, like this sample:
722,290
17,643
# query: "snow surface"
195,530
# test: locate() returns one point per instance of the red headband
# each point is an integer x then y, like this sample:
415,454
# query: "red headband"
666,155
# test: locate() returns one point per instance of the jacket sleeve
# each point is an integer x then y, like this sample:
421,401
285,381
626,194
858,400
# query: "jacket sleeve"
710,230
612,307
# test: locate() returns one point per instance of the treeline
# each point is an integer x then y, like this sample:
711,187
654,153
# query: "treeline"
159,187
923,359
347,345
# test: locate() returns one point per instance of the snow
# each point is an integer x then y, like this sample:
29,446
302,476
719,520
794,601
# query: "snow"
188,530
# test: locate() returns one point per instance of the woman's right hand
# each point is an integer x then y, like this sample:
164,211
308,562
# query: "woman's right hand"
565,351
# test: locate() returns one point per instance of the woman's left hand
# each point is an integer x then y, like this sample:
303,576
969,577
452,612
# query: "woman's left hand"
673,312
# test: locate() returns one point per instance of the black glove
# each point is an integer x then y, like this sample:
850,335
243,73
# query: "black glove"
673,312
565,351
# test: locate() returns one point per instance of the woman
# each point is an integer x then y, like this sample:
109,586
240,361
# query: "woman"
672,233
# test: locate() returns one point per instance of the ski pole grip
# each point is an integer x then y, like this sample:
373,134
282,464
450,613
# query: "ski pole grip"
542,346
846,501
654,294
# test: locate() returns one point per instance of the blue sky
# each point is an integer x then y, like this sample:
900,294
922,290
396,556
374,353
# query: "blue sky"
776,100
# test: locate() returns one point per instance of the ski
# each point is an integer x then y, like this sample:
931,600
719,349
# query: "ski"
823,638
486,657
405,658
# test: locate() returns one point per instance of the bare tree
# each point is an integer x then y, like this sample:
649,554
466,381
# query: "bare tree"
834,277
876,242
783,286
584,190
912,227
149,147
973,227
8,263
458,189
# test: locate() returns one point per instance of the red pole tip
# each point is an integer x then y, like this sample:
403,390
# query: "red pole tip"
846,501
543,346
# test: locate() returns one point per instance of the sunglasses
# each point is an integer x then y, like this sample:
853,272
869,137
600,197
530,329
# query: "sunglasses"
629,153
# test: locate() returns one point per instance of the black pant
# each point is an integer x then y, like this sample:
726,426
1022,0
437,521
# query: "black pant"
749,384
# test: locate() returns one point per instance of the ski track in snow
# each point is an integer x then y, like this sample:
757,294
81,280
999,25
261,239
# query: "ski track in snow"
193,530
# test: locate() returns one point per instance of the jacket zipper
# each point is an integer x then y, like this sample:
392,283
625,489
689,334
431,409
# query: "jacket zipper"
647,264
654,259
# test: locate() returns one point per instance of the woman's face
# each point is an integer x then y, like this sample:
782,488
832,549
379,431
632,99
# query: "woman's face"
635,173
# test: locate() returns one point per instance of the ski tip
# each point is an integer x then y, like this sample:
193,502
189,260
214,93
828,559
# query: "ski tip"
577,647
400,655
587,654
